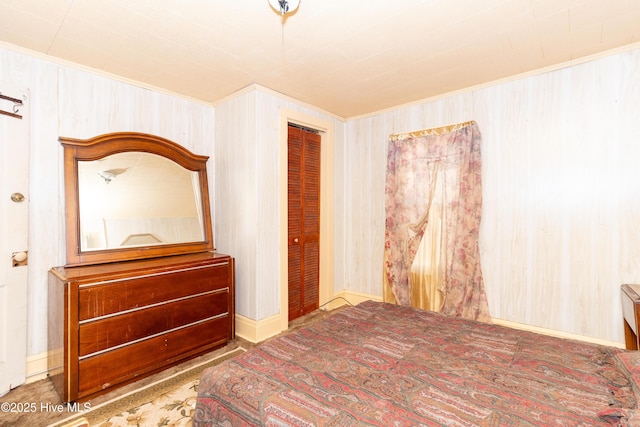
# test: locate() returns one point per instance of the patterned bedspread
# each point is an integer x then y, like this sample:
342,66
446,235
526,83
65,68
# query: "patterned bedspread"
379,364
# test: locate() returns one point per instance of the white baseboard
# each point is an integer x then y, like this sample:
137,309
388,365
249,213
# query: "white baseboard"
257,330
554,333
37,367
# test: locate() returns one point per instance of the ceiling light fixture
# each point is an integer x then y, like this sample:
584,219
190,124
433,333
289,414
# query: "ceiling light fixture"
284,7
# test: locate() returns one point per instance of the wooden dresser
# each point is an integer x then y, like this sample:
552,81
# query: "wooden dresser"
113,323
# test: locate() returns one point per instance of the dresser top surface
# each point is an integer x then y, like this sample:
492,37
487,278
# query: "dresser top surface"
160,263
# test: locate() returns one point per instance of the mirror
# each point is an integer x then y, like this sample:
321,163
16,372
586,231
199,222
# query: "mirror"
137,199
132,196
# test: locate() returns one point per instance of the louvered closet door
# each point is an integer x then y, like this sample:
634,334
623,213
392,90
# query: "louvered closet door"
304,221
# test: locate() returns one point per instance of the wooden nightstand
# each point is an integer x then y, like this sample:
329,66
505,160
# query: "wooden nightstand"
631,314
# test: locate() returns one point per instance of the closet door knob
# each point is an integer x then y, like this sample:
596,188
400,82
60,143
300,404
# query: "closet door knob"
295,240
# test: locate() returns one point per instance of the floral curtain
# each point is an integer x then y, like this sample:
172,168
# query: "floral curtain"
433,200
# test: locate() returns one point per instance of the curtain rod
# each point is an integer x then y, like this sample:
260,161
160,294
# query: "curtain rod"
432,131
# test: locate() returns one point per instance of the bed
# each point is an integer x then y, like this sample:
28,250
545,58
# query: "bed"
378,364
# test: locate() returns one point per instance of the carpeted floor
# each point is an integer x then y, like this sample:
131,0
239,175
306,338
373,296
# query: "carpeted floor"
49,411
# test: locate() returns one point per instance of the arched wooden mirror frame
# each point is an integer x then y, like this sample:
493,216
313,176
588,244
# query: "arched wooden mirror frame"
101,146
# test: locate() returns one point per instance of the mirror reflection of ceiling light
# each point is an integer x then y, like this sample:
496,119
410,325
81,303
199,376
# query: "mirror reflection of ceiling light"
107,176
111,174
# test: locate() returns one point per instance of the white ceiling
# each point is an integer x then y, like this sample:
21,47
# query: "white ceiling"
348,57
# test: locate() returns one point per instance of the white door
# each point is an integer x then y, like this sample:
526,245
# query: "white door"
14,213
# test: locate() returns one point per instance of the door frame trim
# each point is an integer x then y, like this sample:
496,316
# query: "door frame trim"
327,220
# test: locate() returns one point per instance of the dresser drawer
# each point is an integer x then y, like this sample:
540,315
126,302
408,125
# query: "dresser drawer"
107,297
104,333
99,372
